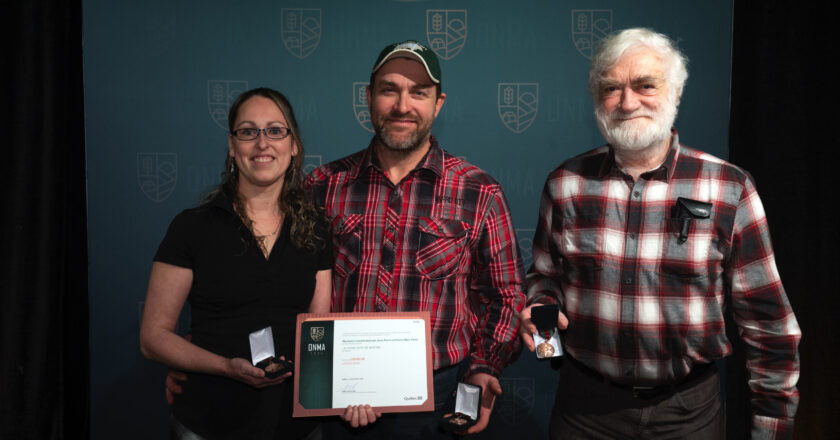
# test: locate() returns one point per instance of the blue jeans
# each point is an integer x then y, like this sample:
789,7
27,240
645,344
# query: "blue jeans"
420,425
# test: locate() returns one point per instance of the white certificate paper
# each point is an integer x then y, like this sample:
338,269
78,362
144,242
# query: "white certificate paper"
379,359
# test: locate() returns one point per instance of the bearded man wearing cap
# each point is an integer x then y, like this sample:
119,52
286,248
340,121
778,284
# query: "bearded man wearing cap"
416,228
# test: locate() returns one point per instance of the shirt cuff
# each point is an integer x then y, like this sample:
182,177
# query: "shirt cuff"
478,366
771,428
541,299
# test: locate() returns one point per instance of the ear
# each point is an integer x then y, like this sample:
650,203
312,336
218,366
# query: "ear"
439,103
230,145
367,92
294,148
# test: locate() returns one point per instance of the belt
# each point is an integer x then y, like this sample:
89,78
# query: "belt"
698,373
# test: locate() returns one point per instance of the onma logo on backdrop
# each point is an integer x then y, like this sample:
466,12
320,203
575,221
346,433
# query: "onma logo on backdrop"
589,27
525,237
446,30
518,105
360,105
301,30
517,400
157,174
220,95
310,163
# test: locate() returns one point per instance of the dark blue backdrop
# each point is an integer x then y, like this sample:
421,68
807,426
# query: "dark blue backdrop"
160,75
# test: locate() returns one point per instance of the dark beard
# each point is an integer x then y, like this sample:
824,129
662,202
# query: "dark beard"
405,148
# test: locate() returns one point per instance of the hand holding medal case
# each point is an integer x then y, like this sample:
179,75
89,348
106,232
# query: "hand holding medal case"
547,337
467,399
262,354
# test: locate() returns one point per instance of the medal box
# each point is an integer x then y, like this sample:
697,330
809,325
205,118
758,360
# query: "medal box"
547,338
274,366
262,354
467,401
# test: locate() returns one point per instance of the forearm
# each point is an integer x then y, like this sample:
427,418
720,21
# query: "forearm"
499,285
170,349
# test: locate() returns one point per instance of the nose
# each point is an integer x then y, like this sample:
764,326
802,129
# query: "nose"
629,100
262,139
401,105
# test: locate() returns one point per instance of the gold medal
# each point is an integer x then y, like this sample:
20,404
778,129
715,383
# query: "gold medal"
458,420
545,350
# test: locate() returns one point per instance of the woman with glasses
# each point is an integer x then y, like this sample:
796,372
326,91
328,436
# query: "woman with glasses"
252,256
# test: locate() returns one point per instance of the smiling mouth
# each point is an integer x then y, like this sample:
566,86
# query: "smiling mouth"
263,159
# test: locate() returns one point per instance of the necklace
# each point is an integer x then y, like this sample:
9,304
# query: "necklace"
260,237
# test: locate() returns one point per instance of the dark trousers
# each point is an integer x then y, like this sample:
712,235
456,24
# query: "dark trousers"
589,407
419,425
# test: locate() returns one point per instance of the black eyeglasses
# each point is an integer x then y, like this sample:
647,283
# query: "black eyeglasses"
273,133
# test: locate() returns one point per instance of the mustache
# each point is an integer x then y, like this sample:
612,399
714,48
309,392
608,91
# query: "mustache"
620,115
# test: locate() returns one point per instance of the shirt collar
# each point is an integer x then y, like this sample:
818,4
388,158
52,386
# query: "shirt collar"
663,172
432,161
220,200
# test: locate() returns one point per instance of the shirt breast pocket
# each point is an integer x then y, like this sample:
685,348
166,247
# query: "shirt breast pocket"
347,243
687,250
441,246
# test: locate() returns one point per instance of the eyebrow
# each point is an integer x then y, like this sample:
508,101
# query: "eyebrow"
638,80
254,123
418,86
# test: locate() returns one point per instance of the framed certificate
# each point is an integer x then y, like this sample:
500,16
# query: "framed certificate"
380,359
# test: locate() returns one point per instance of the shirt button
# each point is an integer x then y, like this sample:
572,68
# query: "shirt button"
632,236
636,194
628,280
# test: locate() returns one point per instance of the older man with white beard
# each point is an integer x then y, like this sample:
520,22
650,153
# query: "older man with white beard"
642,243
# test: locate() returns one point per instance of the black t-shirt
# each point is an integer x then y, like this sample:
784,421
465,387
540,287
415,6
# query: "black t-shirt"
236,291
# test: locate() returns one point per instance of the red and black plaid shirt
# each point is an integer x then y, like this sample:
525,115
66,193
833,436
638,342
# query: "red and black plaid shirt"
644,306
440,240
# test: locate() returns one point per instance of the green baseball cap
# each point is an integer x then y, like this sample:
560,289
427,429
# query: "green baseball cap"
411,49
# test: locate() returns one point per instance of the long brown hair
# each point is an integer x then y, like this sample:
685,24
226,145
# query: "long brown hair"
292,201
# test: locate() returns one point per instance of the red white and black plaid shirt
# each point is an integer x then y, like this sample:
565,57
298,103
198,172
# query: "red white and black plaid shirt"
644,307
440,240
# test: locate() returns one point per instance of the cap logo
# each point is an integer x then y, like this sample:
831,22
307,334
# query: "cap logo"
410,45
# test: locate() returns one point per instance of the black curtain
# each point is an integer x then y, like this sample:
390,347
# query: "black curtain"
44,382
783,91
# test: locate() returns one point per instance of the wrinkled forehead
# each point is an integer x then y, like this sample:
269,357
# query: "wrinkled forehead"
636,63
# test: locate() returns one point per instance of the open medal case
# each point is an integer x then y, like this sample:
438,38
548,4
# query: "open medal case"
262,354
547,338
467,402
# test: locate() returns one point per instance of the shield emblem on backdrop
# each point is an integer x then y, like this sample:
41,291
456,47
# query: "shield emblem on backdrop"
360,105
220,95
300,30
157,174
589,27
446,31
517,400
316,333
310,163
518,105
525,238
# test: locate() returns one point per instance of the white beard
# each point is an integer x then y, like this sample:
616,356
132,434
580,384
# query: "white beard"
636,134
